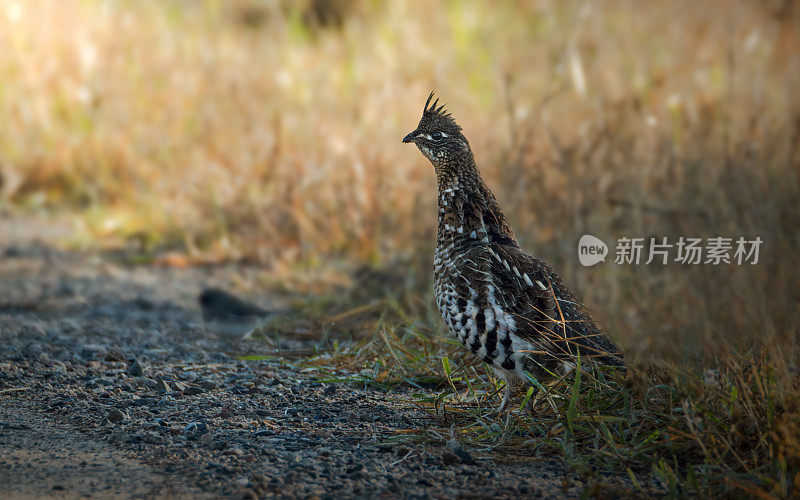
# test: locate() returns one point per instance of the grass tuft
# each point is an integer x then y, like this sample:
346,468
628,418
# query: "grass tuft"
732,429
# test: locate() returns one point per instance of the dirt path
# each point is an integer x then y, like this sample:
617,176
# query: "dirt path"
112,386
40,457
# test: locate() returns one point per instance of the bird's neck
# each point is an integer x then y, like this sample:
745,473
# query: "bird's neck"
468,210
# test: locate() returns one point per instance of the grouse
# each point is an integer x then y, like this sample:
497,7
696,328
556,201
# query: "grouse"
508,308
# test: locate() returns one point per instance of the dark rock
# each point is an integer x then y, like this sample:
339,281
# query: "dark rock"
456,449
144,303
153,438
449,458
162,385
113,356
135,368
196,428
115,415
14,251
92,351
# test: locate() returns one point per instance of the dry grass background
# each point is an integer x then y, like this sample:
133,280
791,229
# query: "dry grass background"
271,131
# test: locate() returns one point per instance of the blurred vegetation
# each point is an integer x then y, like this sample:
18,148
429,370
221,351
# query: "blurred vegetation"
270,131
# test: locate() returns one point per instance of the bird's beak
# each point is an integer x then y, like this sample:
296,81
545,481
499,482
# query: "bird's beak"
410,137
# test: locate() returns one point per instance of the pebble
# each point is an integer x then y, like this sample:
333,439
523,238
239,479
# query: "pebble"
135,368
456,449
162,385
92,351
115,415
449,458
197,428
153,437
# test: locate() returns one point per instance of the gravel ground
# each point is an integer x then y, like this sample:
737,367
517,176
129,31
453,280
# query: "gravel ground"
112,385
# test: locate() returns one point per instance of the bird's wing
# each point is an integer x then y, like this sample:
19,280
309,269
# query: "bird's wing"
546,313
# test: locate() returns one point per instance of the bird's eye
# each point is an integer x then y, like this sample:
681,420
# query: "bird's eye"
437,136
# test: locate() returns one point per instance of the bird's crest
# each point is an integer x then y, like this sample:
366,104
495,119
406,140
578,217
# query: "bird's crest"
437,114
433,110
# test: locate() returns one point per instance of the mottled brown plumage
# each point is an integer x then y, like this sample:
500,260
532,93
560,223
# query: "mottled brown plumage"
507,307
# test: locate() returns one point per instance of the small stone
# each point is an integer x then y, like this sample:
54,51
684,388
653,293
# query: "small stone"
454,447
249,494
330,390
92,351
144,303
357,474
196,428
153,438
14,251
208,385
59,367
115,415
449,458
162,386
147,382
135,368
237,452
219,445
114,356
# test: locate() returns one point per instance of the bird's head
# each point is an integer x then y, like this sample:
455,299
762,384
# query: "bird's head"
439,137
